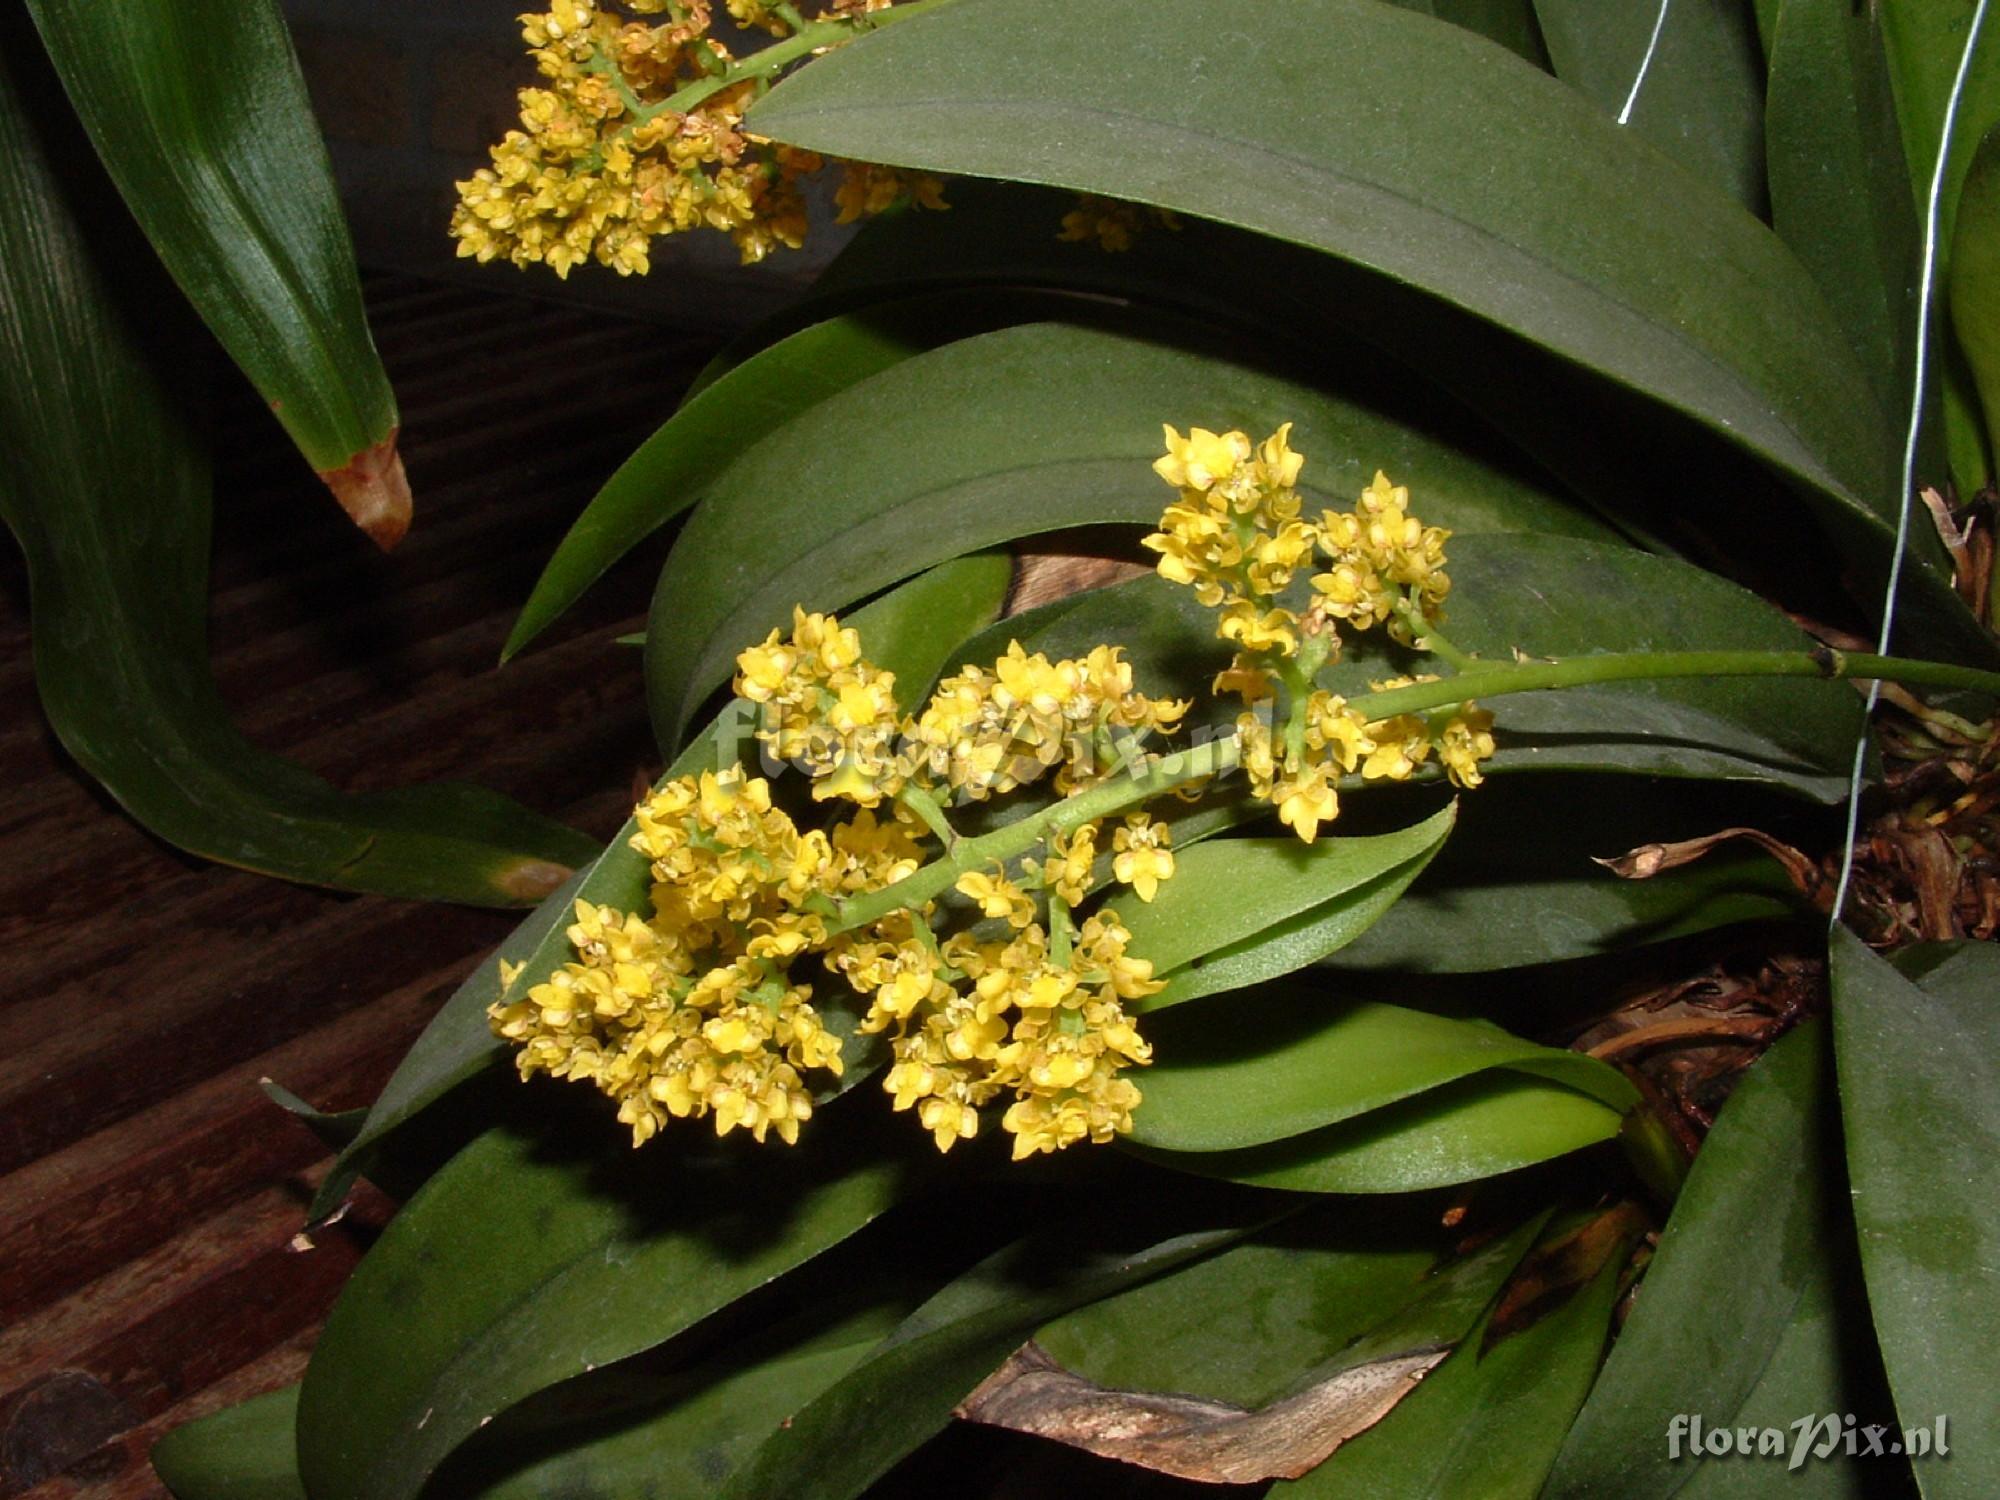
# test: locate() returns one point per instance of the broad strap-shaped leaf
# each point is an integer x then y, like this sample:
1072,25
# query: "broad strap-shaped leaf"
1286,1061
1687,77
1242,910
1246,1325
1919,1064
245,1452
1839,193
703,1419
1659,476
106,486
1480,1126
1975,281
1747,1311
835,1446
1403,144
198,109
1517,886
668,473
537,1255
1511,23
912,629
1486,1422
1031,429
1925,40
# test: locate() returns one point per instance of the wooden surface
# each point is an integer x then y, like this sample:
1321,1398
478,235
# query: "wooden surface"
149,1194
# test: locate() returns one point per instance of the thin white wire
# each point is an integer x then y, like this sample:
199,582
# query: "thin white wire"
1646,62
1933,213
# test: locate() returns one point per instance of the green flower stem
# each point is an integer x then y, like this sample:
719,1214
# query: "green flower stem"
1133,789
1061,931
770,60
1485,680
1494,679
919,801
1429,638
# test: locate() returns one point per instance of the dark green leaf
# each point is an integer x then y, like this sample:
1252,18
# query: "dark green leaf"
912,629
1739,1319
246,1452
1688,78
1919,1068
1246,1325
1486,1422
670,470
1661,477
682,1441
1242,910
528,1260
1405,145
1511,23
905,1390
1279,1063
1517,886
1839,192
1926,39
1477,1127
198,109
106,486
1975,280
1031,429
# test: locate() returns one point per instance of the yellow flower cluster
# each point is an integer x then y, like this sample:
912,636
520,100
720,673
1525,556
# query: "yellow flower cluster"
985,732
606,156
975,1020
692,1011
1111,223
699,1008
1236,535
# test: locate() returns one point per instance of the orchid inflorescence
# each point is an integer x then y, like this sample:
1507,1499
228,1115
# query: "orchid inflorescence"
987,979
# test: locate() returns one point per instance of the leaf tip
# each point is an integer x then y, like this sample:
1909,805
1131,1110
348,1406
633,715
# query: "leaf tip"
374,491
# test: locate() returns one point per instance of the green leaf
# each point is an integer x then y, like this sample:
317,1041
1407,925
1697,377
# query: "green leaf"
1486,1422
1247,1324
912,630
1925,40
836,1445
1511,23
1919,1066
710,1415
1241,910
671,469
1480,1126
530,1258
1283,1062
107,489
1745,1310
1407,146
198,110
1659,476
1030,429
1975,280
1701,97
1516,887
246,1452
1839,194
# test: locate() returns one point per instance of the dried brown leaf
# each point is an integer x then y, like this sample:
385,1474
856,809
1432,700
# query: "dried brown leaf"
1648,860
1187,1436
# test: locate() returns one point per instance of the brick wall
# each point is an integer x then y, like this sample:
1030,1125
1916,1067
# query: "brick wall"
409,97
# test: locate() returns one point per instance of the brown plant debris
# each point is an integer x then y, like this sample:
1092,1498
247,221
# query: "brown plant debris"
1189,1437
